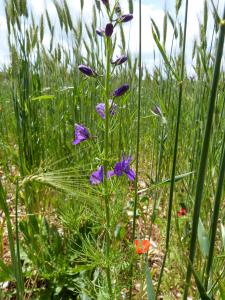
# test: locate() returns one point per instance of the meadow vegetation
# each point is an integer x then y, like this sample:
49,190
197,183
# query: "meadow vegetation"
111,173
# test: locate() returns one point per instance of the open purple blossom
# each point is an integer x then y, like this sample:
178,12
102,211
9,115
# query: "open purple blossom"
100,109
120,60
121,90
87,70
125,18
97,176
123,167
109,30
81,134
100,32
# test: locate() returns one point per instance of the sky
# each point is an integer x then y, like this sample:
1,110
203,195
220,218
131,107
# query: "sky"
150,9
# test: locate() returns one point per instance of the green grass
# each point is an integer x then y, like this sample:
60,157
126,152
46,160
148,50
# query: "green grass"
75,239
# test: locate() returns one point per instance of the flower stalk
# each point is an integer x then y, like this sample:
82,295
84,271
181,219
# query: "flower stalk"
106,156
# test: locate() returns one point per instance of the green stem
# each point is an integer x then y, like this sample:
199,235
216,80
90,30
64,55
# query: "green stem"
215,216
204,156
169,215
106,149
14,258
137,144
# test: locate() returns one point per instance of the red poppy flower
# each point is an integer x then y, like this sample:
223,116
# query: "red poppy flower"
142,246
182,212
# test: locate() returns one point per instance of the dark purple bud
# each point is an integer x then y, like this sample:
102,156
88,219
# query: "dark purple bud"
157,111
120,60
87,70
105,2
100,32
121,90
109,30
125,18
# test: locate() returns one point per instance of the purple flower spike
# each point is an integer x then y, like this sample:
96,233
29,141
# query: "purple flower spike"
100,32
81,134
120,60
123,167
87,70
97,176
109,30
125,18
121,90
100,109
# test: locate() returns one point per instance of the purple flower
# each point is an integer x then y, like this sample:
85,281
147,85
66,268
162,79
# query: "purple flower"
123,167
97,176
121,90
100,32
81,134
125,18
87,70
109,30
120,60
100,109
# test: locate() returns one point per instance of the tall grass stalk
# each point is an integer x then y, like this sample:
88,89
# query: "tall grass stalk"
204,155
213,226
14,256
137,141
169,216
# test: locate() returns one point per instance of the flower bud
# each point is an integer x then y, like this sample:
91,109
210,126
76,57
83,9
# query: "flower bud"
105,2
121,90
100,32
120,60
125,18
109,30
87,70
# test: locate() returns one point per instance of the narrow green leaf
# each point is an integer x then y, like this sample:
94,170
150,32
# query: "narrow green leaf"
222,292
44,97
156,29
200,286
223,235
203,239
150,289
131,6
163,53
164,29
178,5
